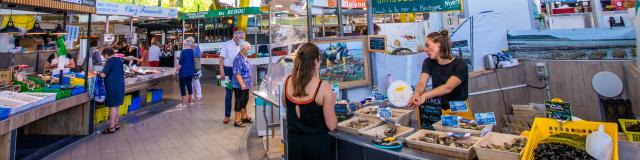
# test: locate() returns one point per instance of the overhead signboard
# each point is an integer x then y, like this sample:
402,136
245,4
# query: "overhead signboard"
82,2
553,1
223,13
105,8
349,3
412,6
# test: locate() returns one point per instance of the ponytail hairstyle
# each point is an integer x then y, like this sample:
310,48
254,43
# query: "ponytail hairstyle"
442,38
304,68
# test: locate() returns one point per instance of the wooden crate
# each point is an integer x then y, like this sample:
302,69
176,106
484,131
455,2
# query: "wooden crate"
379,131
498,139
479,133
523,110
400,116
414,142
342,125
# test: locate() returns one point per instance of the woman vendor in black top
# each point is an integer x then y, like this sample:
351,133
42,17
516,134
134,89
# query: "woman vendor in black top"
449,76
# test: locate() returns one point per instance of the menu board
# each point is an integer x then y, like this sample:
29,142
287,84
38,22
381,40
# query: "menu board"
377,43
558,110
429,113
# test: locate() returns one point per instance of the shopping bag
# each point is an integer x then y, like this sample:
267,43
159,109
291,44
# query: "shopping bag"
99,92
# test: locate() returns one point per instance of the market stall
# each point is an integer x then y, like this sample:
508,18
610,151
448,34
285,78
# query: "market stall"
42,105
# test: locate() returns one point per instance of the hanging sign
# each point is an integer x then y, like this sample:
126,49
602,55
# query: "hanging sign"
411,6
134,10
377,43
222,13
558,110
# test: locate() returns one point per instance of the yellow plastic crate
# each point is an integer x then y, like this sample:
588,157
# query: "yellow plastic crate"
101,114
545,127
631,136
77,81
149,95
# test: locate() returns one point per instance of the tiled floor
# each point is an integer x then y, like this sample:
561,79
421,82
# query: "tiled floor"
194,132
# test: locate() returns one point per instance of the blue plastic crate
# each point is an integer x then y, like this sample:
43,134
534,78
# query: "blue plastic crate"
4,113
57,86
135,104
157,95
77,90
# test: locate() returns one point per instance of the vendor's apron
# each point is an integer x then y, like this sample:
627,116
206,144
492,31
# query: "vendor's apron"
432,110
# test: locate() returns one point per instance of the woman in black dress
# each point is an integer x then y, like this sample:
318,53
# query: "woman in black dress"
310,108
113,74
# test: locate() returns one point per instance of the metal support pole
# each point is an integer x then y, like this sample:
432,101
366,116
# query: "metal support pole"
596,9
106,26
271,15
198,36
183,30
131,30
86,78
340,27
370,28
323,25
309,22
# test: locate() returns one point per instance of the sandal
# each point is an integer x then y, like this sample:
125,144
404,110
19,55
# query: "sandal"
109,131
238,125
247,120
117,127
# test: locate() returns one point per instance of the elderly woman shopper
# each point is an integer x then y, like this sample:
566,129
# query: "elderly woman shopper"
241,84
186,70
113,74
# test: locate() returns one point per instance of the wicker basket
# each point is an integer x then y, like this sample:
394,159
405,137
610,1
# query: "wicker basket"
342,125
438,126
498,139
448,151
379,131
400,116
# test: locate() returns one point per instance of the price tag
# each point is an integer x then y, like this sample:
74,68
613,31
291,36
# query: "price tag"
384,113
450,121
487,118
558,110
458,106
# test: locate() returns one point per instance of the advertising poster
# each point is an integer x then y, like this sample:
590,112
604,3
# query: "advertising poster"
286,35
405,41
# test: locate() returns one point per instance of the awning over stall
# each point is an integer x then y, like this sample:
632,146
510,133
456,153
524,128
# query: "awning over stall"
80,6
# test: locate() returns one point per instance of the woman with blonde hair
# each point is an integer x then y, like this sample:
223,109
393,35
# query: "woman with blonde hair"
185,71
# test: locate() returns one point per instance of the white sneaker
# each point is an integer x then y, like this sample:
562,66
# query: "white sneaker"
181,105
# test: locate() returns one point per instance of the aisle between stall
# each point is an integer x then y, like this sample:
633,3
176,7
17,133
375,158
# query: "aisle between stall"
140,80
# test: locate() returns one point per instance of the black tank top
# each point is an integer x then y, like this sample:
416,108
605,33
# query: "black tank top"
311,120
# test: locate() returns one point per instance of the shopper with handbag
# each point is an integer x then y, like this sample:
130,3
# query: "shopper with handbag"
113,74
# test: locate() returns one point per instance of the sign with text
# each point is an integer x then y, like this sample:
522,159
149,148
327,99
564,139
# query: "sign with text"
411,6
553,1
558,110
450,121
91,3
429,113
348,3
222,13
458,106
377,43
487,118
134,10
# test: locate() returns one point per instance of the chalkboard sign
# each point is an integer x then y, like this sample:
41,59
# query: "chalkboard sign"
377,43
558,110
429,113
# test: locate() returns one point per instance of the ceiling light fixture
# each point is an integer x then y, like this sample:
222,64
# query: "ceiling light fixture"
36,30
278,6
59,29
10,28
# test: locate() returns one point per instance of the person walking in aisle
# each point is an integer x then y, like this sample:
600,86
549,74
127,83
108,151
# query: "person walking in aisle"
198,73
185,71
229,51
241,83
154,55
310,103
113,74
144,54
